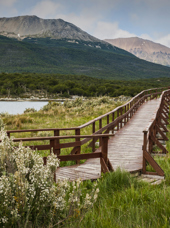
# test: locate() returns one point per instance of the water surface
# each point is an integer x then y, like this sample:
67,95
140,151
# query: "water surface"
18,107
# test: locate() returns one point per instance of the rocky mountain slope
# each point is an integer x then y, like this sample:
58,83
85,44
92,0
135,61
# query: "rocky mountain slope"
144,49
33,26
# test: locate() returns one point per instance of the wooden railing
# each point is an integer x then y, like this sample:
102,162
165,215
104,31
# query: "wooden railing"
155,133
112,121
54,145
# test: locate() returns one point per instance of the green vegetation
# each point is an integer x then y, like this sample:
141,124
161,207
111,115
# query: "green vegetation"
55,115
57,85
28,195
123,201
46,55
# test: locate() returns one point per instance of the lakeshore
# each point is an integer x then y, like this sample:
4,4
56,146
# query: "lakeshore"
34,99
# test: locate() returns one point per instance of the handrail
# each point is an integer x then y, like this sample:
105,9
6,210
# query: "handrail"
151,133
54,145
43,129
60,137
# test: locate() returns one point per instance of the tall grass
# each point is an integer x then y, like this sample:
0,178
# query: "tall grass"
125,202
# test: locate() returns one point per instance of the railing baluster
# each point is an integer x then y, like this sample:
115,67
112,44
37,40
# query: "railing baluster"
105,149
100,126
57,133
113,118
93,140
121,119
104,158
144,150
77,132
107,119
125,119
117,117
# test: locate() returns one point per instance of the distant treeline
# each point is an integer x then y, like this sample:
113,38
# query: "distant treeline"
16,84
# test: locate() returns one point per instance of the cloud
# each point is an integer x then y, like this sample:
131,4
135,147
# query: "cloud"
165,40
45,9
146,37
83,21
7,8
106,30
7,3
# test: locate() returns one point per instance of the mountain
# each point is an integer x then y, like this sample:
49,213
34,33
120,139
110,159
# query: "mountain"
56,46
33,26
144,49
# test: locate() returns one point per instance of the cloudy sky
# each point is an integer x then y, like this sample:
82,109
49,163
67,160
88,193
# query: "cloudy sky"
104,19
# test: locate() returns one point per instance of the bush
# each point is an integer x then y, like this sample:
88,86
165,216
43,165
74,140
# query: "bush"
30,110
28,195
18,120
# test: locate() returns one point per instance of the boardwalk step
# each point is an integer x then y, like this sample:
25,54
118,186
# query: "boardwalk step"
152,179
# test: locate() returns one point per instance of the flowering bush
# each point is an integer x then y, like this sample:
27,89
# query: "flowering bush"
28,195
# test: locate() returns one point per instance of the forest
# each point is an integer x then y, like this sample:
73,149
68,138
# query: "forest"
50,56
59,85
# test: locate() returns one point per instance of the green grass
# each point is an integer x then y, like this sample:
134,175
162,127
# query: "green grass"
125,202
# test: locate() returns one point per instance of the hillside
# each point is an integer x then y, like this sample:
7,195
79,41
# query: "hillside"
46,55
32,44
144,49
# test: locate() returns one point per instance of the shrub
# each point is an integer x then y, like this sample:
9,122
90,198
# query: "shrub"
17,120
30,110
28,195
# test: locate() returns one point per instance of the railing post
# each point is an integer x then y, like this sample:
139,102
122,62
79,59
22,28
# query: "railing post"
125,119
93,140
107,119
113,118
128,113
8,134
150,145
105,148
57,133
77,132
131,110
100,126
144,151
51,145
121,119
117,117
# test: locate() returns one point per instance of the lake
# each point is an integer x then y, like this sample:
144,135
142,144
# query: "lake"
18,107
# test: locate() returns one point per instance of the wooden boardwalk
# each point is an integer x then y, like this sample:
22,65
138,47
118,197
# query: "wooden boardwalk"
140,124
124,149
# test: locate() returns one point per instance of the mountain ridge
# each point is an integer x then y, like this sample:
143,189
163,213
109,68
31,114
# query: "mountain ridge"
25,26
143,49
